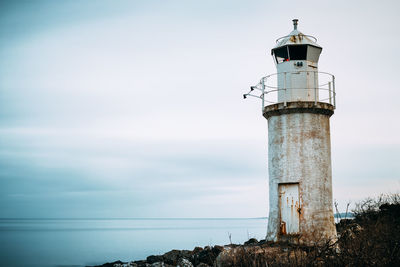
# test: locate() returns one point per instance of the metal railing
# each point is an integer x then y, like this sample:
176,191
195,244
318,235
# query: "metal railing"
269,89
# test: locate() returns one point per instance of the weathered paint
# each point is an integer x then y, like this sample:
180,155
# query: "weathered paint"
296,37
299,152
289,208
297,82
297,74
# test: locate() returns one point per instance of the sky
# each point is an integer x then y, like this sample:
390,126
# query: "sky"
135,109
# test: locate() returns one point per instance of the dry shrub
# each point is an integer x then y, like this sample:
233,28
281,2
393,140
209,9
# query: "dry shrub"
371,239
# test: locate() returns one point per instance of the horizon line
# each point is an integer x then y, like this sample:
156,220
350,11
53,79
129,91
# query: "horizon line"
137,218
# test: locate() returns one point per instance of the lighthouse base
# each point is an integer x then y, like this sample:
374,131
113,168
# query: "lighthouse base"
300,175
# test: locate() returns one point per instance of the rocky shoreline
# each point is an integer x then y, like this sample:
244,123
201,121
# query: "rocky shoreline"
198,257
251,253
371,238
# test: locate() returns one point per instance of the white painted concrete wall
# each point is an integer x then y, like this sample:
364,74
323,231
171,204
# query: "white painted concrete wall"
299,152
300,81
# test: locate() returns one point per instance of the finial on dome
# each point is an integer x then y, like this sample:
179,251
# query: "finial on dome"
295,23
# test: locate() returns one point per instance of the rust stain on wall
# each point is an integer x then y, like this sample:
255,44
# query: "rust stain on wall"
299,152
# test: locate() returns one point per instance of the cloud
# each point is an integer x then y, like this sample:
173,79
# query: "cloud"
135,108
43,176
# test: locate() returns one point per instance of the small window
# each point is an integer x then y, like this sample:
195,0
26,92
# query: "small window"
281,54
298,52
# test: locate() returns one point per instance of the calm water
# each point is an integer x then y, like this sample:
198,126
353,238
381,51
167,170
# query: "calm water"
77,242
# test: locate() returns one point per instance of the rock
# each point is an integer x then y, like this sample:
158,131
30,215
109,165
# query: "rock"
217,249
195,255
142,263
207,248
246,256
262,241
152,259
182,262
207,255
251,241
202,265
110,264
130,264
187,254
161,264
196,250
172,257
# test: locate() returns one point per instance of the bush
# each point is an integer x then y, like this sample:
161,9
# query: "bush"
372,238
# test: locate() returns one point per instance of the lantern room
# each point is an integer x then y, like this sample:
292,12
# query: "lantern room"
296,58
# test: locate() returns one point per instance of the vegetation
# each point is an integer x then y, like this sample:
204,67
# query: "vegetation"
372,238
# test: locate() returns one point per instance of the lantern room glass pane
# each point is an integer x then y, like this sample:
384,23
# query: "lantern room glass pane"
298,52
313,53
281,54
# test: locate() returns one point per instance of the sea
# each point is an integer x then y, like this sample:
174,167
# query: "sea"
81,242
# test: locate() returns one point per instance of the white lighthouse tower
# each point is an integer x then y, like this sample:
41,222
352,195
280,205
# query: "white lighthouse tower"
298,102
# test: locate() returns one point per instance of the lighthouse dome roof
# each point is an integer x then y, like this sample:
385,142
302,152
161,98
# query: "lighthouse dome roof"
296,38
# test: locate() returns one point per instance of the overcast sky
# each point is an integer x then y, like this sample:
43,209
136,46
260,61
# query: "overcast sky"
135,108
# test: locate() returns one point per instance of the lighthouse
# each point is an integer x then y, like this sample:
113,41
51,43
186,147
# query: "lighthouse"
298,102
